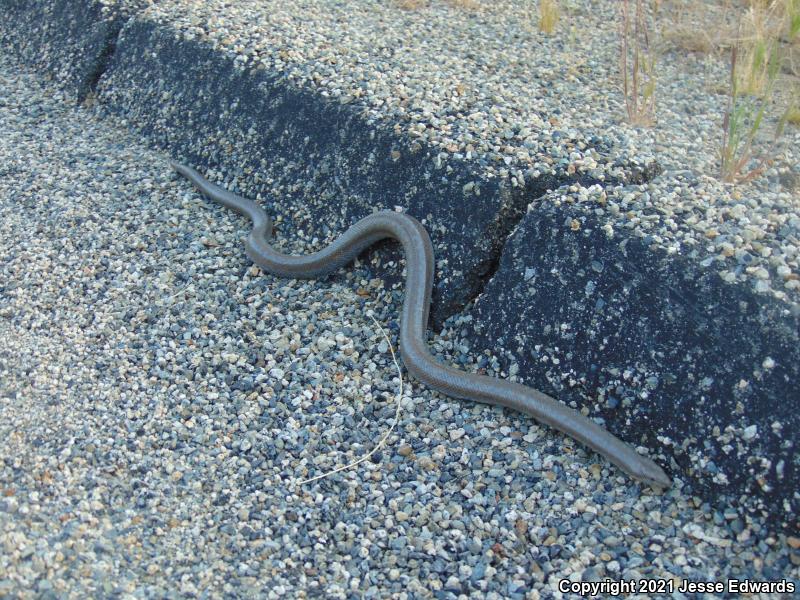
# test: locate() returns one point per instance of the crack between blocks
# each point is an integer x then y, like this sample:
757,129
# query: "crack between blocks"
515,208
88,88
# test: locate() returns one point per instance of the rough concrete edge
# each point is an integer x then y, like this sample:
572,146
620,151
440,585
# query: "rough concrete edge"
195,102
665,310
69,40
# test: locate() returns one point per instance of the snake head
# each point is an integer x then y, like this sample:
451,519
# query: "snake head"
651,474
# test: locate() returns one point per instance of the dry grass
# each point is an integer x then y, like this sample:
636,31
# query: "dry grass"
762,33
757,87
386,435
715,26
549,14
411,4
638,55
762,36
701,26
418,4
465,4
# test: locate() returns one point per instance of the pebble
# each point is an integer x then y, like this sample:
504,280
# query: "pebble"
456,434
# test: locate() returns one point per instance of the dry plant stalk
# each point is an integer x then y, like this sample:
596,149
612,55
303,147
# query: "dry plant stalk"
638,78
386,435
753,86
793,114
549,14
743,119
699,27
410,4
759,33
465,4
791,36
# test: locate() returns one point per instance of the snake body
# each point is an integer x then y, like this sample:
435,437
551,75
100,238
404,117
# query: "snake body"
420,363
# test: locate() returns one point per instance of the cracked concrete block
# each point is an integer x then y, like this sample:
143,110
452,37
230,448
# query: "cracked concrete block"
665,352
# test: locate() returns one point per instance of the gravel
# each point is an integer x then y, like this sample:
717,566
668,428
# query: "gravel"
160,398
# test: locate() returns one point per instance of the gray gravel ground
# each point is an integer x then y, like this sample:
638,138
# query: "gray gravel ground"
160,398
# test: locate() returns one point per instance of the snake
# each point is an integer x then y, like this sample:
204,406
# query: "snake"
420,363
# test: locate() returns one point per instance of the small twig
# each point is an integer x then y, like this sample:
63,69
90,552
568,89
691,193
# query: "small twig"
625,26
175,295
638,81
726,122
381,443
636,111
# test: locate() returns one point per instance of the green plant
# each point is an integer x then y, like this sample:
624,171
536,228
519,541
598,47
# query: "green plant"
753,87
743,119
753,76
639,75
549,14
791,17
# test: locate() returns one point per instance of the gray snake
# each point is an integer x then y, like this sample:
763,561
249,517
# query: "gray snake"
420,363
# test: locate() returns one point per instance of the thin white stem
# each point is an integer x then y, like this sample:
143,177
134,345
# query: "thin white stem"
389,432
